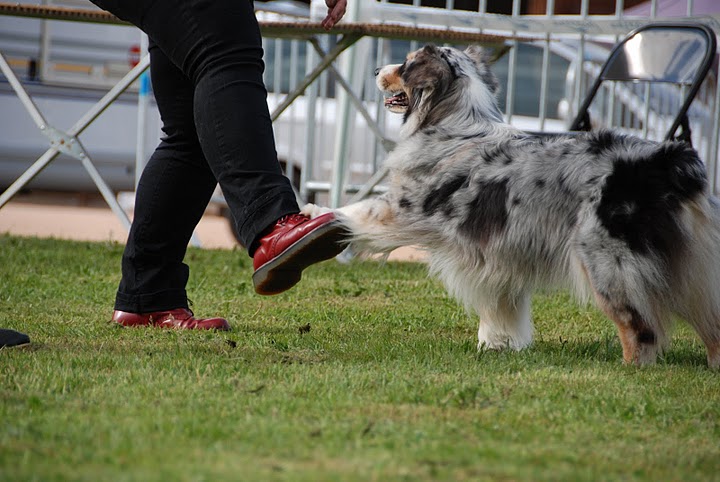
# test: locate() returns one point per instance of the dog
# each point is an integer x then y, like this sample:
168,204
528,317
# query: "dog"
502,213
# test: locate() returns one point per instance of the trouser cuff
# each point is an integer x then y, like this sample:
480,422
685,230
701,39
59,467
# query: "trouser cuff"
263,213
152,302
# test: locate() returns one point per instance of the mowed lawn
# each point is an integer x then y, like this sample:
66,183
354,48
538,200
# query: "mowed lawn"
366,371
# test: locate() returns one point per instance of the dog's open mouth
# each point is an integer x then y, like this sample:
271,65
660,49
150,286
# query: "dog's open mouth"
397,102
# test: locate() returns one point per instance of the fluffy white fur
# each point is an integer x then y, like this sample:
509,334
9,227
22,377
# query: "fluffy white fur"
626,222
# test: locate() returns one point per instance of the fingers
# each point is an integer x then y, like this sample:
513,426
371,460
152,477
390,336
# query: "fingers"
336,10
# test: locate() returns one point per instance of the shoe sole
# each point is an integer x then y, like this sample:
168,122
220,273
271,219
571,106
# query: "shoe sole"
285,270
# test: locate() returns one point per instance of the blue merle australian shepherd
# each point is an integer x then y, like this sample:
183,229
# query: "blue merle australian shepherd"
501,213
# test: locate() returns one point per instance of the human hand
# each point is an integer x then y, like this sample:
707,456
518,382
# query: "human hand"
336,10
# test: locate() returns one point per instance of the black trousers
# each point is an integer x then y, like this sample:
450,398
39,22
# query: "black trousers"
206,69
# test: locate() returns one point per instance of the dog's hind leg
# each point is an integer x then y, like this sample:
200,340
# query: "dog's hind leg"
706,322
630,287
696,297
713,355
505,323
639,339
621,292
712,343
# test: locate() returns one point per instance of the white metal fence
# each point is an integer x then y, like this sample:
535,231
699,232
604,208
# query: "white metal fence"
543,80
331,149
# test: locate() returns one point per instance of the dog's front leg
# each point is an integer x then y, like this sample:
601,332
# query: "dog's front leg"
313,210
362,216
505,324
371,223
356,211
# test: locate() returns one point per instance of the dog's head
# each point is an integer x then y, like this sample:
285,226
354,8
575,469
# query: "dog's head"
437,84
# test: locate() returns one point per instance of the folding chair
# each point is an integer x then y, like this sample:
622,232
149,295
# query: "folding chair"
669,53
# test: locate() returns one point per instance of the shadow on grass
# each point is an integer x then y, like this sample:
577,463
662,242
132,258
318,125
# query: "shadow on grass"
583,350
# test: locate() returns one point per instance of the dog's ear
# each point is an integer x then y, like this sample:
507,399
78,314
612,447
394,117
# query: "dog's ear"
485,55
430,49
482,60
478,54
427,69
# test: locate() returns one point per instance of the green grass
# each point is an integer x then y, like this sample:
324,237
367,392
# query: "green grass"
385,385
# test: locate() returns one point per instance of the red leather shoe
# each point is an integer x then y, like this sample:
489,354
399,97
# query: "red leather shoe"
177,318
295,242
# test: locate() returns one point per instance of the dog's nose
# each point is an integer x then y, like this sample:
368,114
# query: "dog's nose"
377,71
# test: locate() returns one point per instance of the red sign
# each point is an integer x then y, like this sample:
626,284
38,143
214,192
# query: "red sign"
134,55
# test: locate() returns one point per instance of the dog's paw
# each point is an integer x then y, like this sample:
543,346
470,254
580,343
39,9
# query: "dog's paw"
502,341
515,335
313,210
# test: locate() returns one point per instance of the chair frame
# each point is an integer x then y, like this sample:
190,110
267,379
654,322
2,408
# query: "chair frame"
582,120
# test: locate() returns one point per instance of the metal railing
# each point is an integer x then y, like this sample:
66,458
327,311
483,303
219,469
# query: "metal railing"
343,37
333,134
577,44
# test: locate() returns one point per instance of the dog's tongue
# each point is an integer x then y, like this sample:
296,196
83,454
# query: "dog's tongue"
395,100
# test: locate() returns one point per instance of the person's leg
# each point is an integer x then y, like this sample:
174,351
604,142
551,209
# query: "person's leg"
217,45
171,197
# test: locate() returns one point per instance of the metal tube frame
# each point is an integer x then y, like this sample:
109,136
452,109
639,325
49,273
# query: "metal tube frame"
68,142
